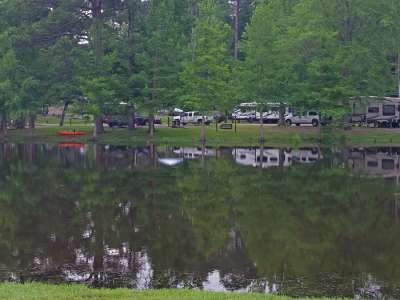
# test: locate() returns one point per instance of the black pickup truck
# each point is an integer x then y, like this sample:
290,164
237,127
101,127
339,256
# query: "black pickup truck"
122,121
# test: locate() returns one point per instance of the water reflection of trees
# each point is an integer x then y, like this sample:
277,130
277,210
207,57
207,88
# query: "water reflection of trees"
72,215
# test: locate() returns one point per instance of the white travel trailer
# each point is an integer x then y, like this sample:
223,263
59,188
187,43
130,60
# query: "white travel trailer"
194,152
380,112
272,114
273,157
245,112
252,157
376,162
249,112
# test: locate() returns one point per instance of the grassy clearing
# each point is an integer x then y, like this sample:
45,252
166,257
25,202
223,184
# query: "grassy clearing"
78,292
246,135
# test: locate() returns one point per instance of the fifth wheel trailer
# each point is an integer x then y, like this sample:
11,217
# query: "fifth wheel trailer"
376,111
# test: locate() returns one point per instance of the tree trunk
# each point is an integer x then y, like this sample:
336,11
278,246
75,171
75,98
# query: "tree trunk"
153,154
203,153
98,127
32,121
20,122
203,131
319,129
262,133
63,114
282,157
282,114
3,125
97,38
151,125
237,28
132,117
398,75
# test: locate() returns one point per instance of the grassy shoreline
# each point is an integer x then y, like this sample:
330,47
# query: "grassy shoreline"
34,291
246,135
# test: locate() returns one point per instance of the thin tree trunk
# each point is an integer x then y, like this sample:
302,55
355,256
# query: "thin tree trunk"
98,127
151,125
20,122
203,153
97,32
237,28
63,114
132,118
153,154
3,125
203,131
398,74
319,129
32,121
282,114
262,132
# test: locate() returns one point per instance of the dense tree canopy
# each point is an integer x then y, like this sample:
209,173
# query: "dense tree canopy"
159,54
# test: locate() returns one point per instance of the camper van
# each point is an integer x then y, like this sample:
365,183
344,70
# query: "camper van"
379,112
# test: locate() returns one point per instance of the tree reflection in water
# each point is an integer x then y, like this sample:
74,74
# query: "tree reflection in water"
156,217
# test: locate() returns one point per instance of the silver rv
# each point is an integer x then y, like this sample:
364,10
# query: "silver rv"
380,112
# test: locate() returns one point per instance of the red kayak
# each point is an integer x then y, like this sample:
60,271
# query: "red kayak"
71,145
71,133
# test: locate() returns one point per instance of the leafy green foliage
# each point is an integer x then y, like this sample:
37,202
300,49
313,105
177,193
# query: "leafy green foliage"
162,54
206,78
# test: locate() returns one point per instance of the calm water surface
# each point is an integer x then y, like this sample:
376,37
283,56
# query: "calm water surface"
286,221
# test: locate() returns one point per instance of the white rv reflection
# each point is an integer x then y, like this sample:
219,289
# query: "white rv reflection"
376,162
275,157
194,152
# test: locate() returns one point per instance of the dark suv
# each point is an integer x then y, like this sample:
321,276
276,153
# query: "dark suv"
122,121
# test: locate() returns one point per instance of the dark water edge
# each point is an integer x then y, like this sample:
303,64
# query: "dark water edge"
298,222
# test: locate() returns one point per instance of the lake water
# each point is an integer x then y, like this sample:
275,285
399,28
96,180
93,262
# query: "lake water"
290,221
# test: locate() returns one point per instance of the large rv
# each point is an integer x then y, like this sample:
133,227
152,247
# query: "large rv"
383,162
273,157
245,112
376,111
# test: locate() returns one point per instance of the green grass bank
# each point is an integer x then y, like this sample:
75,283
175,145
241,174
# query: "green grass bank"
246,135
78,292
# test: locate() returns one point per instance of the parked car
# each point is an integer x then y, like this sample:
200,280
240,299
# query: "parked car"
191,117
123,121
309,117
116,121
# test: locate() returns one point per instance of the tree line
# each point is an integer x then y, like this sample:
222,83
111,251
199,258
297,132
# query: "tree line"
195,54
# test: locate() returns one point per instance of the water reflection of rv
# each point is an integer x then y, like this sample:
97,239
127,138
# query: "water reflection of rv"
275,157
376,162
194,152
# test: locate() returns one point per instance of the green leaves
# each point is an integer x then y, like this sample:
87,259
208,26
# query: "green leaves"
319,53
207,74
